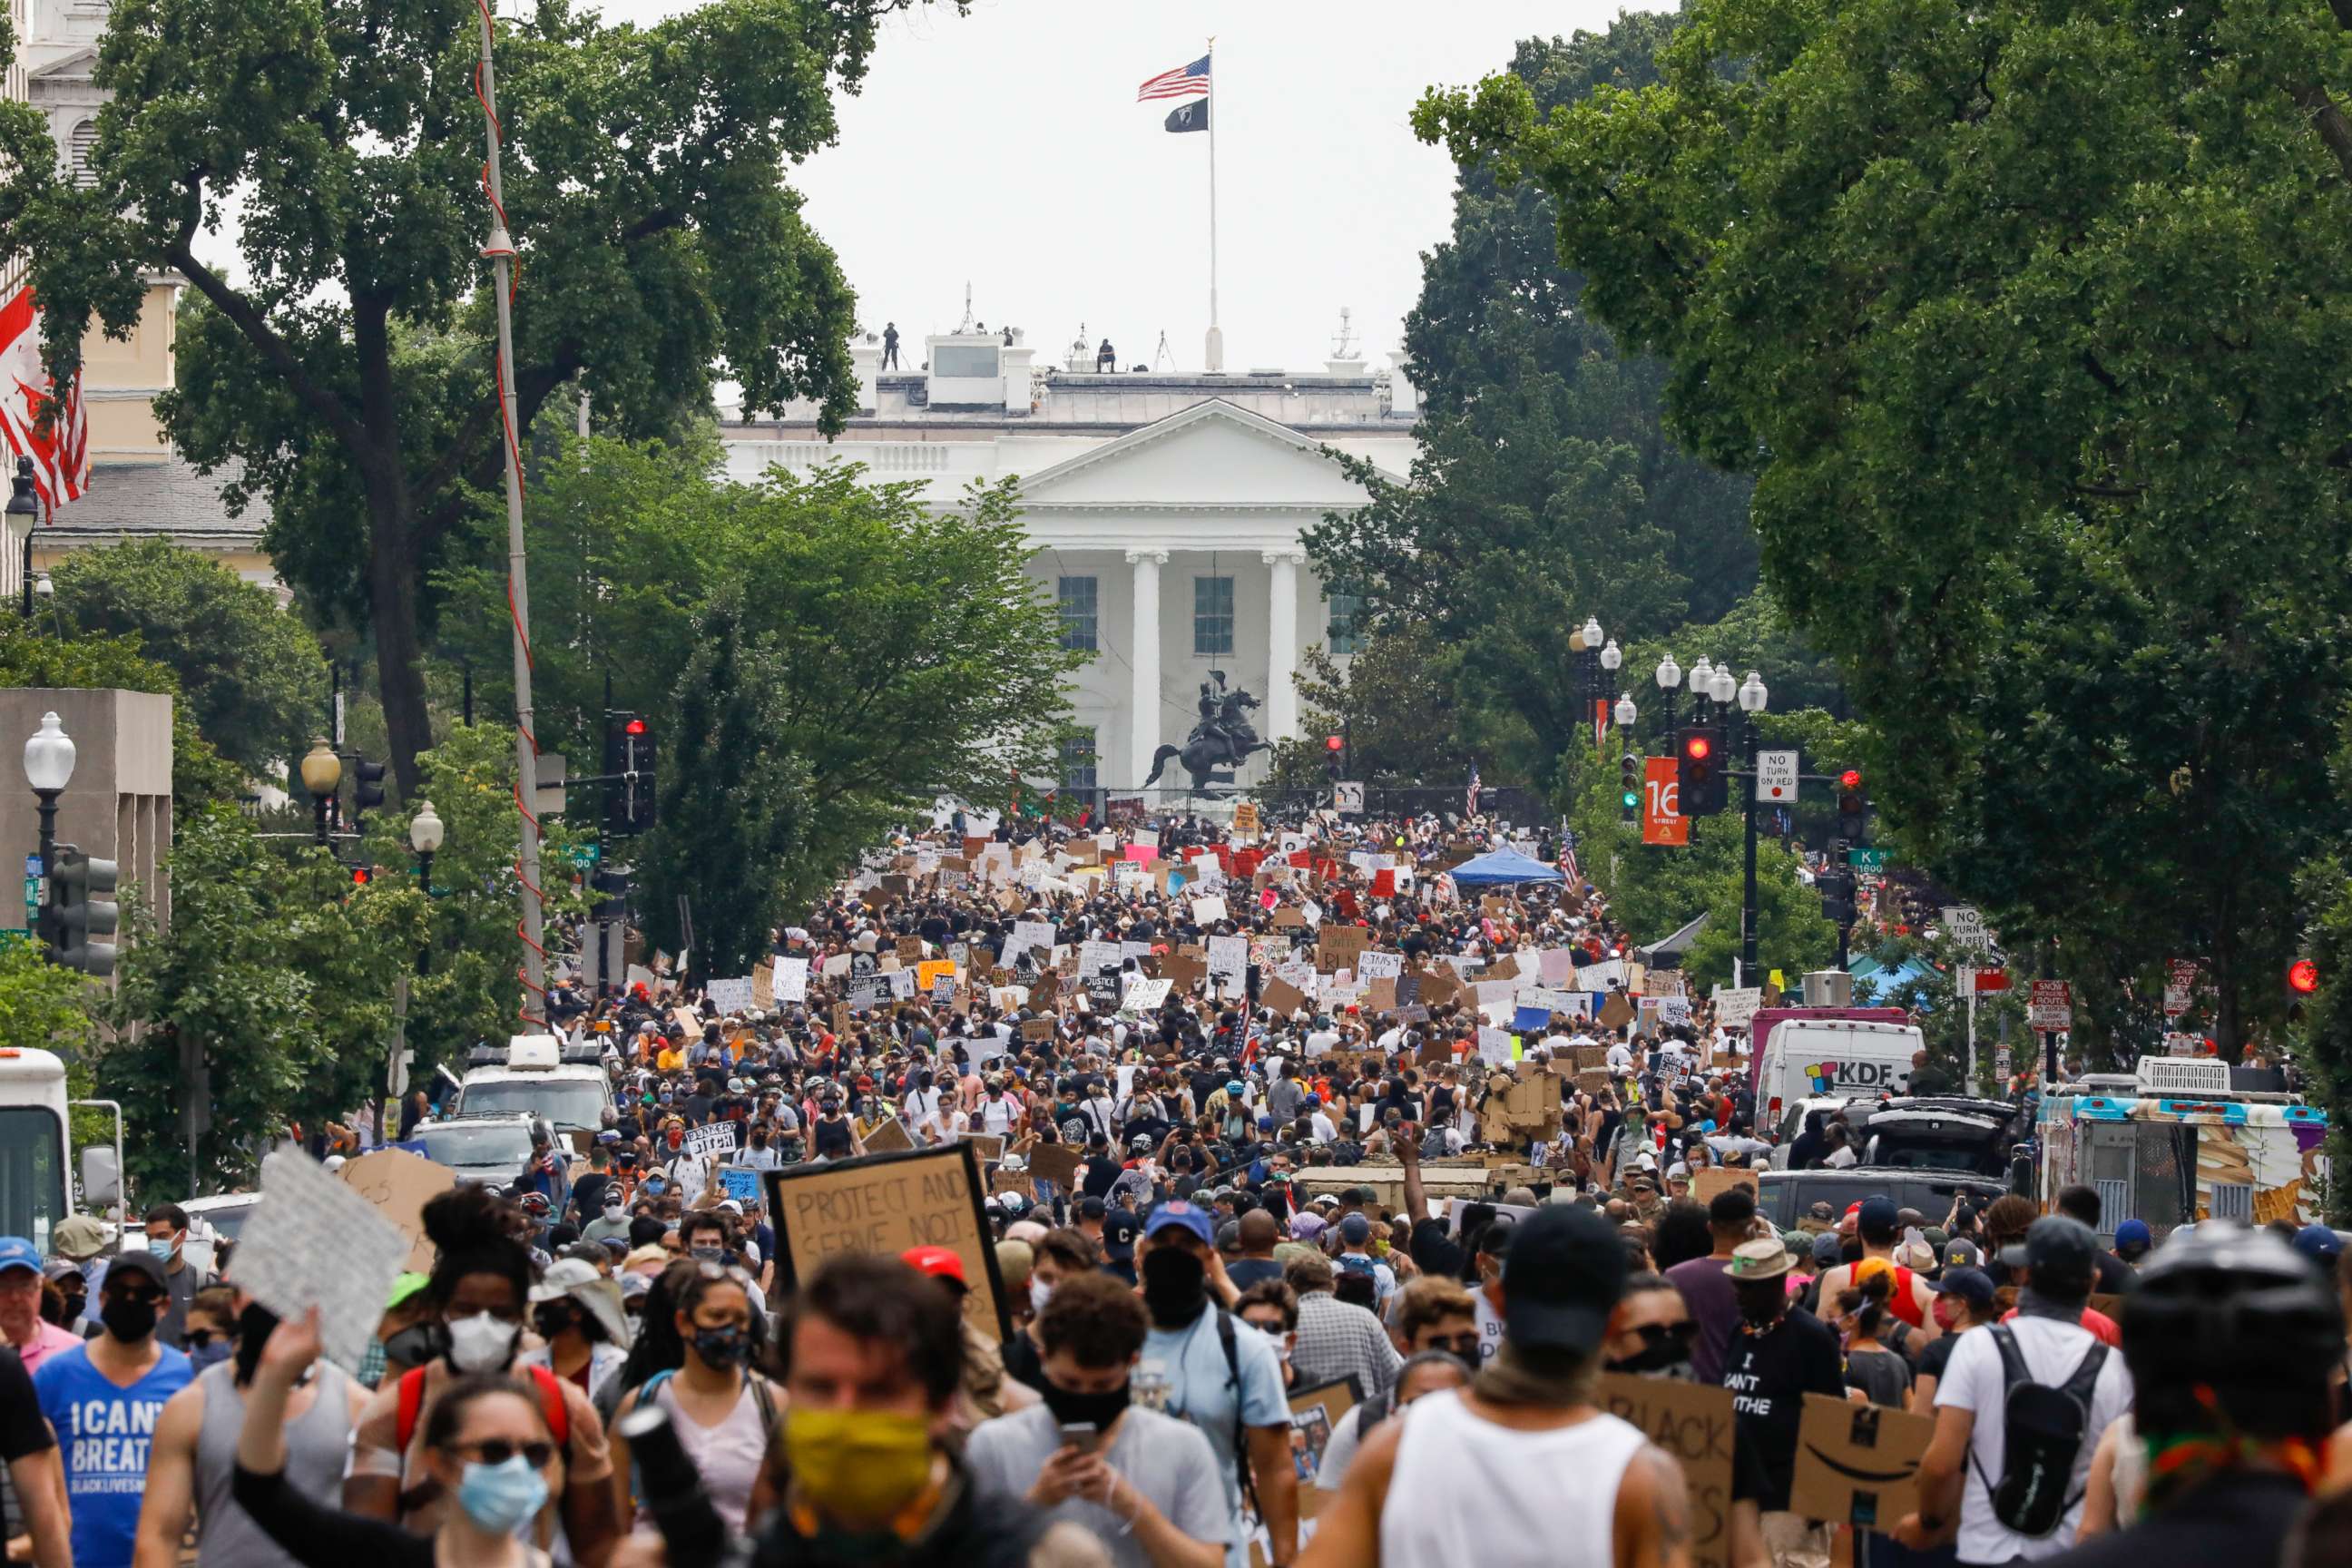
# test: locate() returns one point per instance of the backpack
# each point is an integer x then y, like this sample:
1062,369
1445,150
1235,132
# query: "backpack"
550,1403
2043,1430
762,1400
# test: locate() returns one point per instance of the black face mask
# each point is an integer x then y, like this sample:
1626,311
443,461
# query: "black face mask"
1666,1358
551,1319
721,1347
253,1327
1175,1285
128,1320
414,1345
1097,1410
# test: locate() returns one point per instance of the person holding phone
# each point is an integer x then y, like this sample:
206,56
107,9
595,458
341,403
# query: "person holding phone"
1145,1484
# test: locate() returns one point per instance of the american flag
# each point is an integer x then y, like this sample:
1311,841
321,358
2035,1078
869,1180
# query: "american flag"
61,454
1470,806
1185,81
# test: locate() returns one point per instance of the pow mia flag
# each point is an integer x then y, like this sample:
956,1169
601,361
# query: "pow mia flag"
1192,116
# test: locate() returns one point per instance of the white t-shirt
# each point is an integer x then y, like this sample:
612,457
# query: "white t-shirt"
1972,1381
1621,1056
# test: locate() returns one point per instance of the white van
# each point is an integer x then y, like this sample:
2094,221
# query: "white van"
536,1075
1812,1060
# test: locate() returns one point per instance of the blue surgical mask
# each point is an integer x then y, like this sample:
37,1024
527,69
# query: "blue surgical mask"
163,1248
655,1185
502,1498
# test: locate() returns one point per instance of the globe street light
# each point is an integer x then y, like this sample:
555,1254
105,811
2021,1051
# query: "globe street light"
1752,694
426,833
1626,713
1612,656
1752,697
1592,631
322,774
48,768
1721,686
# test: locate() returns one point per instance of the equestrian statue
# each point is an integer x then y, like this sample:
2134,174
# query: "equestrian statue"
1223,739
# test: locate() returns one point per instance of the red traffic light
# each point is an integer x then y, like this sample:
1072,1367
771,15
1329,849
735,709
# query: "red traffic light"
1850,779
1332,743
1699,748
2303,977
362,876
634,726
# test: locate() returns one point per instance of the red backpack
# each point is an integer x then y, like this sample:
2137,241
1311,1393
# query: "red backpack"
550,1402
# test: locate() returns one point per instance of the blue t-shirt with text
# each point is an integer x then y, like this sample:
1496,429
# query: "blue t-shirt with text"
104,1435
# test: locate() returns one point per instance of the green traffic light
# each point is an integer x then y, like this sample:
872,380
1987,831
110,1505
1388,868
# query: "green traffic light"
1629,800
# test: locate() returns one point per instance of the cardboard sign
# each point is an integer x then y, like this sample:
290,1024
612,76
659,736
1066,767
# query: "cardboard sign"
712,1138
932,971
1053,1162
891,1137
989,1146
729,995
1246,819
1313,1412
315,1242
1338,947
1592,1082
881,1205
1694,1423
1283,997
1858,1464
1716,1179
1584,1059
1617,1012
397,1184
1037,1028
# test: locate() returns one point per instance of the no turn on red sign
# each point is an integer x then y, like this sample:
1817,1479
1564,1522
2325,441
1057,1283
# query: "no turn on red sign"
2050,1006
1776,777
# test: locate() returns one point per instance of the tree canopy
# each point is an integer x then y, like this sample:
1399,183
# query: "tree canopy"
251,675
342,369
1546,488
2026,321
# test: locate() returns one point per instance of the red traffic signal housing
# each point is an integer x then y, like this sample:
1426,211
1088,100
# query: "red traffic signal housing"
634,726
1332,743
1697,748
363,875
2303,977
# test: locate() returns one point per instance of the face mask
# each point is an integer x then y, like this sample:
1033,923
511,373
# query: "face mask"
502,1498
1666,1359
1039,1291
1175,1283
481,1343
551,1319
656,1185
162,1248
1098,1410
862,1467
413,1345
1762,1308
710,1254
724,1347
128,1320
613,1210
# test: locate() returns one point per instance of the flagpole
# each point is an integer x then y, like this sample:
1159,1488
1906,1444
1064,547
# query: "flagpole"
1215,357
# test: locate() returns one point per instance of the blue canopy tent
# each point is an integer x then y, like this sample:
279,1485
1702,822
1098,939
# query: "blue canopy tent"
1498,867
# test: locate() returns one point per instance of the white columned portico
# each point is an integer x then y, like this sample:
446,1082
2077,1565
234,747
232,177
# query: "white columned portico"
1143,729
1282,643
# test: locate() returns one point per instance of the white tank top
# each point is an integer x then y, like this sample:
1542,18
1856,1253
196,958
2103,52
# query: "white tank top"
728,1454
1540,1499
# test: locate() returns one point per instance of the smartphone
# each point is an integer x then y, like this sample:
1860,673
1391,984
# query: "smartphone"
1083,1436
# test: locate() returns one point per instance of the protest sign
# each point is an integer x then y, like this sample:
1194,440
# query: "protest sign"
932,971
1615,1013
1246,819
1736,1009
889,1138
712,1138
314,1242
398,1185
1379,966
792,979
1053,1162
1858,1464
763,986
1495,1047
1037,1028
1593,1081
989,1146
1144,995
731,995
1208,911
1282,997
880,1205
741,1184
1716,1179
1229,962
1337,947
1694,1423
1314,1413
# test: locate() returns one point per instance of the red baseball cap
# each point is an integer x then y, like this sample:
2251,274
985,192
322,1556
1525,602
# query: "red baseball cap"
940,1262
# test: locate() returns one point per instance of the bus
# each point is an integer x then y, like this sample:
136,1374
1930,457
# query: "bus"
34,1137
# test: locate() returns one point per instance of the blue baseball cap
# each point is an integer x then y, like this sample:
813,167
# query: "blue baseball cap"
2135,1233
2315,1242
1176,1211
15,1252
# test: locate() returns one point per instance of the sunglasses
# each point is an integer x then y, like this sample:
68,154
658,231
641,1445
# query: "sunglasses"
196,1338
1462,1345
497,1451
138,1297
1659,1333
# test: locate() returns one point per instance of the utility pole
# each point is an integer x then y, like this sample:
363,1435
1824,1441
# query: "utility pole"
501,252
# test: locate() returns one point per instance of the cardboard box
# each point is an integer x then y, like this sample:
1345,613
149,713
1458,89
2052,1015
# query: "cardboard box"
1858,1464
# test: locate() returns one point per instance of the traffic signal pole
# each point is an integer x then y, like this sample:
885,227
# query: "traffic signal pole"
501,250
1748,891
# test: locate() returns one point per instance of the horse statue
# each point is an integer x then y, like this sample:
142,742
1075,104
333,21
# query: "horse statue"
1223,739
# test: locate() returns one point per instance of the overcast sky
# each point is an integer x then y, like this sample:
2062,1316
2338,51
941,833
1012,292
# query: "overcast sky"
1006,148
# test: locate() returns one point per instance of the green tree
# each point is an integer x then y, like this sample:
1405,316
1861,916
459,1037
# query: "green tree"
2020,317
44,1007
344,363
200,774
1546,488
251,675
467,990
891,652
1395,702
280,972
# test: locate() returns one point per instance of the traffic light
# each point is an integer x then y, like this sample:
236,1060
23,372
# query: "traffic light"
1836,889
367,787
1332,748
1701,788
2303,977
1854,808
628,775
85,909
363,875
1629,787
610,884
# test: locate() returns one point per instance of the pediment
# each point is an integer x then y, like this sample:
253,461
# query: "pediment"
1211,454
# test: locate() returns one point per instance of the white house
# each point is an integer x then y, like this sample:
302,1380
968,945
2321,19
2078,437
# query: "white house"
1167,509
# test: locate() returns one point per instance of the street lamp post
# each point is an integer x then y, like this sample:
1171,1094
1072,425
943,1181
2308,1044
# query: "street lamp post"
322,774
22,503
48,768
1669,676
1612,658
427,833
1590,633
1752,697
